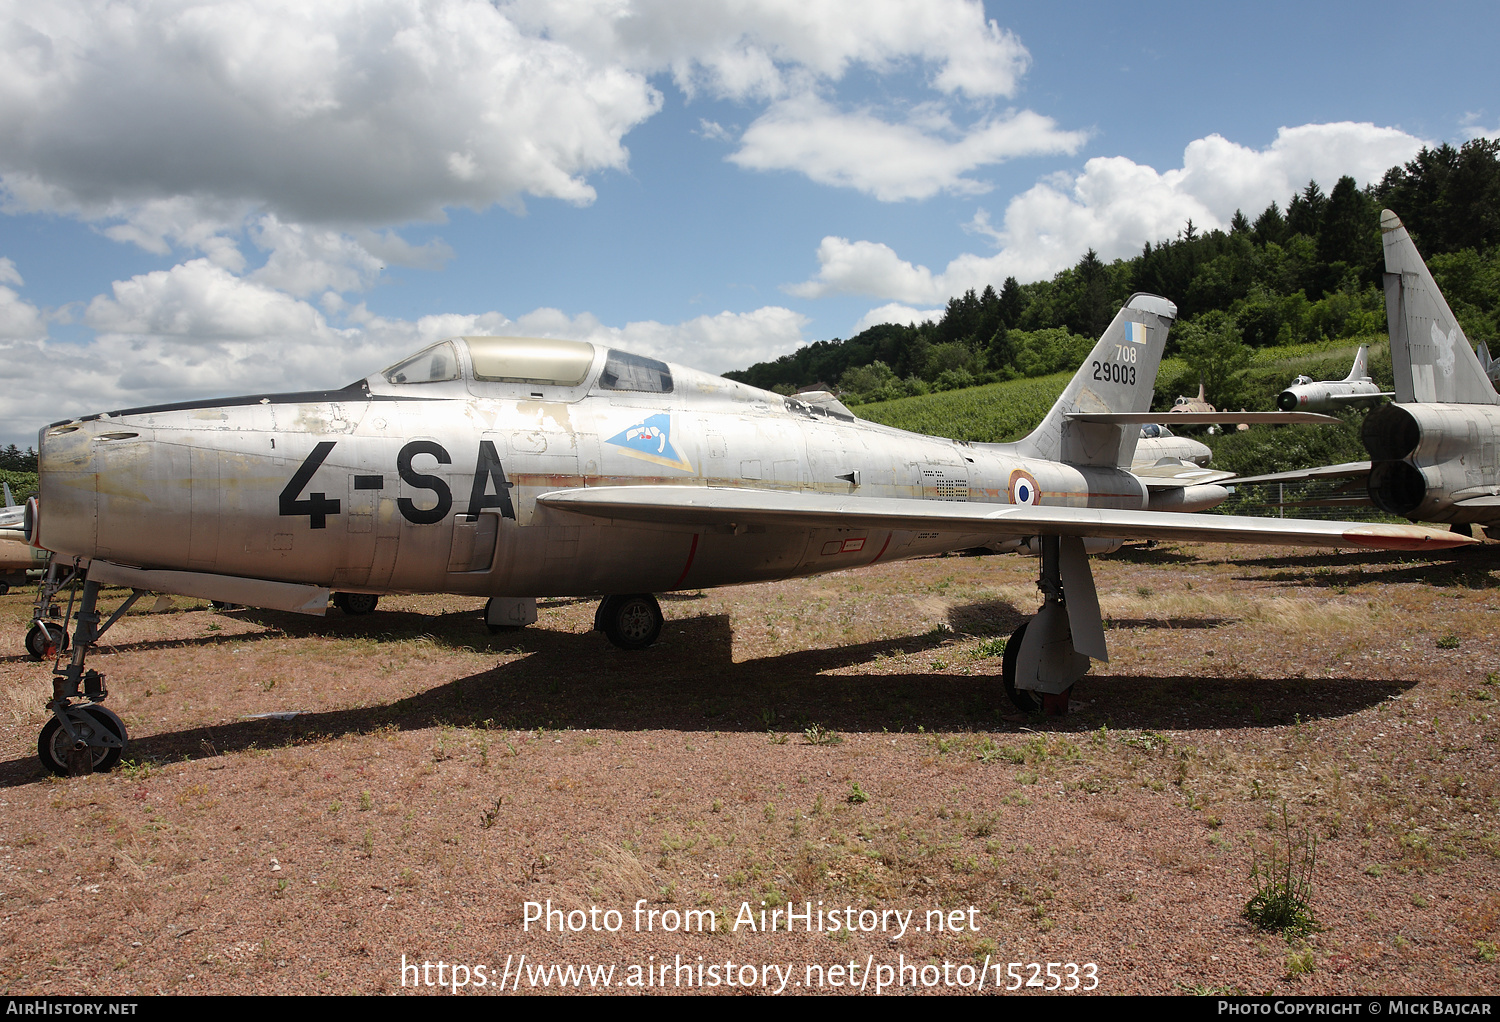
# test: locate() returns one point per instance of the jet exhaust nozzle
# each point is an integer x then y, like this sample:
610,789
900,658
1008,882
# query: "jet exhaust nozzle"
1390,434
1397,487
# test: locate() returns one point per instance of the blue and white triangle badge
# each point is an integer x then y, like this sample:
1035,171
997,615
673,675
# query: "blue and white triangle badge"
651,440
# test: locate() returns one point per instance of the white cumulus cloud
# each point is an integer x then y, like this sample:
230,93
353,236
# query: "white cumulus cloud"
199,301
893,161
895,312
198,331
1115,206
19,319
352,112
743,49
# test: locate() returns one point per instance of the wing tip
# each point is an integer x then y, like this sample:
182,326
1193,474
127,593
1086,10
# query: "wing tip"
1406,537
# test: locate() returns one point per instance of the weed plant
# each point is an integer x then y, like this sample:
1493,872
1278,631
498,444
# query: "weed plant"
1283,882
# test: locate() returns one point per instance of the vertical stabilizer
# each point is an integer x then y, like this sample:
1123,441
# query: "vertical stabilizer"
9,500
1361,371
1430,355
1118,376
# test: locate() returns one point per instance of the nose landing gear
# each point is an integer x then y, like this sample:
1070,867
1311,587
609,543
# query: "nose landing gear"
94,745
82,736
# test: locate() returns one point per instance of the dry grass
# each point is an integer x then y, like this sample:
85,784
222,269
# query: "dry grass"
435,778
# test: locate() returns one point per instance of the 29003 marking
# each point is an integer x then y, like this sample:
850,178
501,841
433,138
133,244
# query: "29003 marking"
1112,372
1067,980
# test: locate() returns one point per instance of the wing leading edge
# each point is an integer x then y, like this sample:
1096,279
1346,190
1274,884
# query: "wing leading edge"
727,506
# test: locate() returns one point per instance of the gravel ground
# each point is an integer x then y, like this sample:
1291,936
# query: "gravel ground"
838,745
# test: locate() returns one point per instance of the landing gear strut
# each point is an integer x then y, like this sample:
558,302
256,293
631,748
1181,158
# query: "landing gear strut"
82,736
630,622
1047,654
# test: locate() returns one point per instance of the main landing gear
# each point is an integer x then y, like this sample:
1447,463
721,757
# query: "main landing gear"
356,604
1047,654
630,622
83,736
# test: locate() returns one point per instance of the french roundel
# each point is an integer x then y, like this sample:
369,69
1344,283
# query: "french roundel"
1023,488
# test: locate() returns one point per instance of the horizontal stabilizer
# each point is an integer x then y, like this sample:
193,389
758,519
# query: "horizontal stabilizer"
1348,470
1202,418
1178,473
730,506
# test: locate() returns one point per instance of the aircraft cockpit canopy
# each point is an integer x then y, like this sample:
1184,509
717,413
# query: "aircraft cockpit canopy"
496,366
517,360
624,371
1153,431
530,360
430,365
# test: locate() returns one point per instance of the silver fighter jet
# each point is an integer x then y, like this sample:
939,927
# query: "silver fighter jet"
1309,395
515,468
1434,451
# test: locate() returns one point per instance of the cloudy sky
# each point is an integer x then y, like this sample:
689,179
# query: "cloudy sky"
202,199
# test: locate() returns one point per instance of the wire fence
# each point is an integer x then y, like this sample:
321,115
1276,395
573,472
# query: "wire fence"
1323,500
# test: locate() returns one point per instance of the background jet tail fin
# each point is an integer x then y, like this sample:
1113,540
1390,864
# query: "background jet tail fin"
1430,355
1361,369
9,500
1118,376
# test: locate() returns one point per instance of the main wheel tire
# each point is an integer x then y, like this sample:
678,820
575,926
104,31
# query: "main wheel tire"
40,636
631,622
356,603
1021,698
53,745
4,588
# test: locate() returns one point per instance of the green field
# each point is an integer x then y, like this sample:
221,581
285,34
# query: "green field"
1000,412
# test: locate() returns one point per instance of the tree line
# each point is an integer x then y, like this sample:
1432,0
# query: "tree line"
1309,272
13,459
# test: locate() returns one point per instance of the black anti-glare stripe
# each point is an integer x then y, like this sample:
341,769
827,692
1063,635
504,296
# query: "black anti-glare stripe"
355,391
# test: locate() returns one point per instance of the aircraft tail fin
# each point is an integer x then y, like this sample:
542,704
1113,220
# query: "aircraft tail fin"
1361,370
9,500
1430,355
1118,376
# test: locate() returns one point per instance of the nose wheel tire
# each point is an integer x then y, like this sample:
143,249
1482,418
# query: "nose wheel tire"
630,622
54,745
43,635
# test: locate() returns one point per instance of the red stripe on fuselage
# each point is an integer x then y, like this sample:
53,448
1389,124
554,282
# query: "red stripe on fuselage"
887,543
692,552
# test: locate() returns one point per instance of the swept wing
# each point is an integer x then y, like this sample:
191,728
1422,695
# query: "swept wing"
727,506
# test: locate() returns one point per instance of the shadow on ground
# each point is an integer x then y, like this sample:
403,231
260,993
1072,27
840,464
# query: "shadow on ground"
690,682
